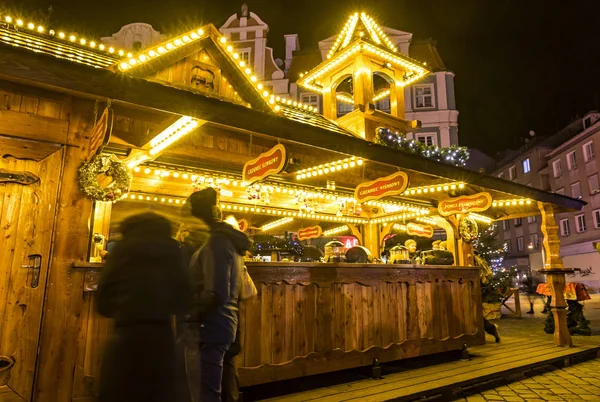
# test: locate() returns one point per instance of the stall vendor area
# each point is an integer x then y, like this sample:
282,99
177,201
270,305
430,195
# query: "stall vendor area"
362,239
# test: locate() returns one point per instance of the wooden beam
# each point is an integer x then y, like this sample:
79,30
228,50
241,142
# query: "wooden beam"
26,149
67,76
33,127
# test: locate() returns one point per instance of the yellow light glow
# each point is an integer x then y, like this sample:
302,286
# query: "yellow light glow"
20,22
223,39
8,19
82,41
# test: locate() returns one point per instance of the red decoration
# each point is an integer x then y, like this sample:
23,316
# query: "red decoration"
385,186
268,163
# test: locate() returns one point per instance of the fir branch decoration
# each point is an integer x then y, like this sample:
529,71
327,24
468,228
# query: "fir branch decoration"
453,155
111,167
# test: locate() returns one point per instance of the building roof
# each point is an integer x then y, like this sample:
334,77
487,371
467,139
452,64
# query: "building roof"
81,80
427,52
302,62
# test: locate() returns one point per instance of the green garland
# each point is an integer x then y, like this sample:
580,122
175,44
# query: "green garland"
110,166
467,228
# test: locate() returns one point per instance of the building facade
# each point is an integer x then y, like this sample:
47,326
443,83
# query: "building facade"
564,163
430,100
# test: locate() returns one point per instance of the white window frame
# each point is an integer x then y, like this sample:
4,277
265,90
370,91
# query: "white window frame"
572,164
596,214
309,95
526,166
431,87
580,225
520,243
425,137
245,50
565,229
588,151
512,172
557,168
560,191
577,185
506,224
534,240
597,189
518,222
508,246
501,175
531,219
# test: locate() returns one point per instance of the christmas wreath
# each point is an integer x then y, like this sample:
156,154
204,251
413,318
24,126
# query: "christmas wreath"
112,169
467,228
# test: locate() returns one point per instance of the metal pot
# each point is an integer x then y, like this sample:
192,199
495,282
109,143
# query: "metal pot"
359,254
399,255
334,251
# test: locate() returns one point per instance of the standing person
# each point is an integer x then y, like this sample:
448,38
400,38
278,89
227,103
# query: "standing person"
485,274
142,285
216,270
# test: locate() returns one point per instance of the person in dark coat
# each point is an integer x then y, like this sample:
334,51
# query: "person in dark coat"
143,284
216,270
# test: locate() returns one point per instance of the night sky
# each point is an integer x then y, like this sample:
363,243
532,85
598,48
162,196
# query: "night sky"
520,65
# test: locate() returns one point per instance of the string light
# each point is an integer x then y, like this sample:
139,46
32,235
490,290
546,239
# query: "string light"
345,99
277,223
512,202
401,217
381,95
174,132
433,189
327,168
339,229
39,43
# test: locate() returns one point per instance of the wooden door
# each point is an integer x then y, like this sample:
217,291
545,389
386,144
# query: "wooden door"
26,229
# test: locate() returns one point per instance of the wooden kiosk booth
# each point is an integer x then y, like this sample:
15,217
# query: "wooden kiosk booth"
89,135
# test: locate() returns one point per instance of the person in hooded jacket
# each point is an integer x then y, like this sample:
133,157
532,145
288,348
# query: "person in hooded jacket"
143,284
216,270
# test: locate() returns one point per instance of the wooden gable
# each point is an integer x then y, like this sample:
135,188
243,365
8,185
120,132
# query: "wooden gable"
203,67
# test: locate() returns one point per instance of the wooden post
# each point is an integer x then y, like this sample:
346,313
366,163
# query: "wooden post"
555,272
371,237
450,235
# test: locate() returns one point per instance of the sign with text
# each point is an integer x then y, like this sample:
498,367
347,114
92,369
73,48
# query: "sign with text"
271,162
469,203
100,134
243,224
312,232
383,187
414,229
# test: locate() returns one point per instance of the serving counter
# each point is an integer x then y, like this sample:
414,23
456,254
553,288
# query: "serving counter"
311,318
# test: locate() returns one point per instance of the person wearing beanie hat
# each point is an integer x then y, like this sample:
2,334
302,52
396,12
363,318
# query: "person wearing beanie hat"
216,271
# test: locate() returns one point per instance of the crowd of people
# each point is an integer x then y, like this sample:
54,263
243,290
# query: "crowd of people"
197,276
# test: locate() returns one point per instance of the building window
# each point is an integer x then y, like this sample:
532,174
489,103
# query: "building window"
576,190
518,221
588,151
526,166
427,139
512,172
501,175
520,243
564,227
531,219
344,108
383,104
245,56
506,225
561,191
424,96
571,161
534,241
557,168
580,223
508,246
594,184
587,122
310,99
596,213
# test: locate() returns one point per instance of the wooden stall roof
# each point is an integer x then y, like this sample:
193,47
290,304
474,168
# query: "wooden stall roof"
24,66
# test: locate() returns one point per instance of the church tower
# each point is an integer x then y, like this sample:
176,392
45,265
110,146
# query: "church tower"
362,69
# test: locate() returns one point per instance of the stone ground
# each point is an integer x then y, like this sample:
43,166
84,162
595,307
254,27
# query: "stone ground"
579,382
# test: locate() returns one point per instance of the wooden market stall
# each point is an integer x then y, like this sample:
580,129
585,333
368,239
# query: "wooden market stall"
88,137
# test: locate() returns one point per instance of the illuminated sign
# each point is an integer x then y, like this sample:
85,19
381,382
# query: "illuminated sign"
312,232
469,203
271,162
385,186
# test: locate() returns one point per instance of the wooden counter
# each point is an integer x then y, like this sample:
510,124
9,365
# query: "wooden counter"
311,318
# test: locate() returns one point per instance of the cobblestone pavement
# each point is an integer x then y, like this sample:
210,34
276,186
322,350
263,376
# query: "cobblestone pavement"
580,382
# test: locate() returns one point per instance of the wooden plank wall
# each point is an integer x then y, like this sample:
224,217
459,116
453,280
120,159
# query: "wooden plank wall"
296,329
